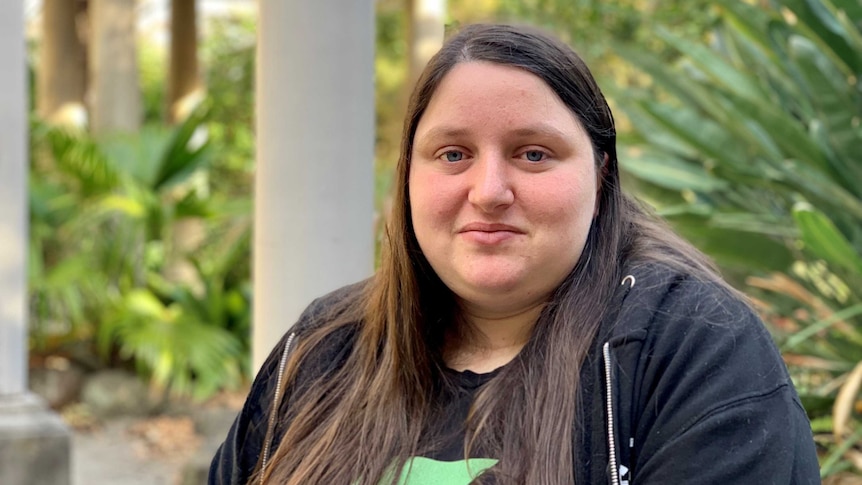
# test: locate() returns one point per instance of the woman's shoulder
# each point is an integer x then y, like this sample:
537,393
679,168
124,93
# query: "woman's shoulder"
699,373
334,314
676,315
687,325
655,293
344,303
237,456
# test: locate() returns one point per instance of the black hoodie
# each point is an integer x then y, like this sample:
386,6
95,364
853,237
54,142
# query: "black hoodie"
684,385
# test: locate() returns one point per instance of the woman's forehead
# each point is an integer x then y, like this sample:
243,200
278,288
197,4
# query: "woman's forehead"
474,96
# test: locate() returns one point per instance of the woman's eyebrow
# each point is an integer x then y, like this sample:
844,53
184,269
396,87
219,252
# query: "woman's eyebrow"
541,129
444,132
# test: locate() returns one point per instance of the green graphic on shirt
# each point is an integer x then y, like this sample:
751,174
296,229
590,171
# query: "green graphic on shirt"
425,471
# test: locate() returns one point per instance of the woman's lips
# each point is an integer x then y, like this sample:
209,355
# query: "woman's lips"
489,234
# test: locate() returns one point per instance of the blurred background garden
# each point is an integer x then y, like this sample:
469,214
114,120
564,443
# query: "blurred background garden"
740,121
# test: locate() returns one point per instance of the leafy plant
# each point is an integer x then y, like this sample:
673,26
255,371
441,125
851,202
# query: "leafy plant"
229,56
750,145
133,253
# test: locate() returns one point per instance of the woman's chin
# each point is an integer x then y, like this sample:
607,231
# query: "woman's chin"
493,286
495,292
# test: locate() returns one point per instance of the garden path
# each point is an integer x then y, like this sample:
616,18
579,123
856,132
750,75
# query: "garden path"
172,448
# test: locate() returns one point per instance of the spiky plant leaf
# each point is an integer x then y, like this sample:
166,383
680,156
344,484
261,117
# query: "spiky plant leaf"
771,107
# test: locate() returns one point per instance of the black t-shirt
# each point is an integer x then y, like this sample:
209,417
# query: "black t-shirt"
442,461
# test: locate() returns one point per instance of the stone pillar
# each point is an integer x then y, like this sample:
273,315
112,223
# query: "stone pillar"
114,91
315,149
184,83
34,443
62,80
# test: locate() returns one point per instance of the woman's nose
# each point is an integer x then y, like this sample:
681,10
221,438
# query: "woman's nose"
491,184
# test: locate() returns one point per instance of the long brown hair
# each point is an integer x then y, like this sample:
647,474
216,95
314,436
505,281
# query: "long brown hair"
360,421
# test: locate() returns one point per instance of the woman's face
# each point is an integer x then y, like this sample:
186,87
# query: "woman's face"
502,187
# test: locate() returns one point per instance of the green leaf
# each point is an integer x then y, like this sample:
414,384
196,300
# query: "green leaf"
811,330
824,240
67,272
820,22
714,65
191,205
815,185
136,155
185,152
672,173
143,303
80,158
754,223
834,99
758,252
787,132
829,464
689,93
126,205
699,133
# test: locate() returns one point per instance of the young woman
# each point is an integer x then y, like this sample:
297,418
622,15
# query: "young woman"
529,323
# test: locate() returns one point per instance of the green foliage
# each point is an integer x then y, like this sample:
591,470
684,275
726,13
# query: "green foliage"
140,244
592,26
152,62
229,57
391,73
750,145
107,247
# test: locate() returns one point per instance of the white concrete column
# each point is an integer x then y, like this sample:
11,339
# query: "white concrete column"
315,147
34,442
13,202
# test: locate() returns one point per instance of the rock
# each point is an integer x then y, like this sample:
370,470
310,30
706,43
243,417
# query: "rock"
58,381
117,393
214,423
196,471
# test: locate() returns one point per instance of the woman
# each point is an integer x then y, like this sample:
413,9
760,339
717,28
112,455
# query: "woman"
529,323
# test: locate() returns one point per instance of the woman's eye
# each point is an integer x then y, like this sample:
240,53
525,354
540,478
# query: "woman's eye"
534,155
453,156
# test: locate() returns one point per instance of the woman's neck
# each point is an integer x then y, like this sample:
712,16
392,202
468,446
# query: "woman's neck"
489,340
